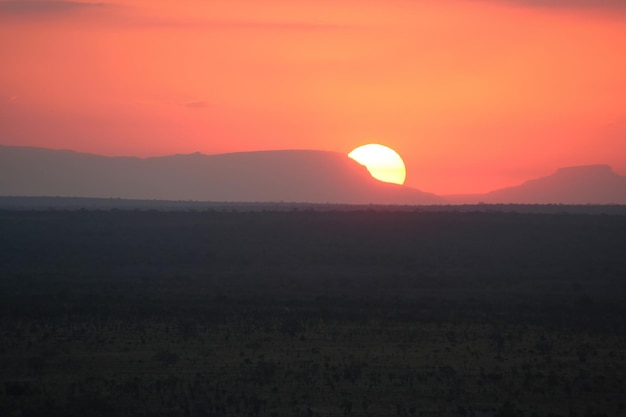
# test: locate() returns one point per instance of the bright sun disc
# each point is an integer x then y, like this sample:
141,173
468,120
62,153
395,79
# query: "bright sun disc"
382,162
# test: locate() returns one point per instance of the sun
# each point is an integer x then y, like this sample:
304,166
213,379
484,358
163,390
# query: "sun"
382,162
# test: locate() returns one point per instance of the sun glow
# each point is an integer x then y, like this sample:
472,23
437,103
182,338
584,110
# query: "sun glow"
382,162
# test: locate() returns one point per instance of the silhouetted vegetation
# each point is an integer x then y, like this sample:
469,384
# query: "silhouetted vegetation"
228,312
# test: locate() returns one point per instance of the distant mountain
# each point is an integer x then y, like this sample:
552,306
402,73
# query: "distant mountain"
266,176
590,184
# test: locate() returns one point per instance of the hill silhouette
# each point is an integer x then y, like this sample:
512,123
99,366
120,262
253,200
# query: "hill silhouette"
264,176
588,184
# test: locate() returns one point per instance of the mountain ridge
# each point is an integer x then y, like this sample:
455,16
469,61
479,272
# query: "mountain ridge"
582,184
291,175
286,175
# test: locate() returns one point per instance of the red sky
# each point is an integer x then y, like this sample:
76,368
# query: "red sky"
474,94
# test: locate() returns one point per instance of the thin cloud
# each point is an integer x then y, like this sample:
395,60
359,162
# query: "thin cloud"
208,24
197,104
594,4
39,7
47,8
598,5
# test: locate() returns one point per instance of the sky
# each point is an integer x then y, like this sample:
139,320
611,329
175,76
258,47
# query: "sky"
473,94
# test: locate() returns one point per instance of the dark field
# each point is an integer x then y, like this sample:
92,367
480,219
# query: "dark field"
312,313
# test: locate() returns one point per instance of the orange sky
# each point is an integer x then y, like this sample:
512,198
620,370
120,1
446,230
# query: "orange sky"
474,94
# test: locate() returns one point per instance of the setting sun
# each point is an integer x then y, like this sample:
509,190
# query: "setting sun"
382,162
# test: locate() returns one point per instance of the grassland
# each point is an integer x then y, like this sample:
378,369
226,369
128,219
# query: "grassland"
305,312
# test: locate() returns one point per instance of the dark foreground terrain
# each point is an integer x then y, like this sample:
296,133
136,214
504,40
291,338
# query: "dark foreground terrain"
311,313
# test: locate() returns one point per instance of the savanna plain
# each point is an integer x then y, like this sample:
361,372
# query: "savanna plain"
300,311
